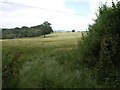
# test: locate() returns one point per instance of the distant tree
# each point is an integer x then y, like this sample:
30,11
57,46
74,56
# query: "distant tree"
46,28
24,27
25,31
73,30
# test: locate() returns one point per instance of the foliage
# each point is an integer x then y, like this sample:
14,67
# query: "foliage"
100,49
33,31
73,30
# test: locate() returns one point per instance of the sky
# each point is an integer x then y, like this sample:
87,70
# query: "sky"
62,14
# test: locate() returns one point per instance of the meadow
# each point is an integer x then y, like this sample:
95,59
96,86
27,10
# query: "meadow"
43,62
66,60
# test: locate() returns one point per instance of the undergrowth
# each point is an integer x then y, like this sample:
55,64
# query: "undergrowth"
99,51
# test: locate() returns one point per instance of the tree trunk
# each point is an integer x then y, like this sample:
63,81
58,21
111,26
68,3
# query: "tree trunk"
44,35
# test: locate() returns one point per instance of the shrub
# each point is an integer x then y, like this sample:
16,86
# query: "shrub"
100,49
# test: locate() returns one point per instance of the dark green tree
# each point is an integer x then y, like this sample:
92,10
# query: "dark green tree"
73,30
99,51
25,31
46,28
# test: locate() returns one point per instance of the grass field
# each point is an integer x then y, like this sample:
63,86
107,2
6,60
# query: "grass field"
43,62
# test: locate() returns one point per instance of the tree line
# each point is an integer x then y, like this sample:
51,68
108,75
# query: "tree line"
25,31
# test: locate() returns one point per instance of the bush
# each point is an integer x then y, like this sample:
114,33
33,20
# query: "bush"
100,49
73,30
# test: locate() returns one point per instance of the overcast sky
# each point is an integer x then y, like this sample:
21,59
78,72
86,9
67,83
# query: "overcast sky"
62,14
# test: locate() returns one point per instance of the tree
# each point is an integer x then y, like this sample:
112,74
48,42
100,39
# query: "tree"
73,30
100,49
25,31
46,28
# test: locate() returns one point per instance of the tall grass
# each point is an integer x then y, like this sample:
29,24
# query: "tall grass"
43,63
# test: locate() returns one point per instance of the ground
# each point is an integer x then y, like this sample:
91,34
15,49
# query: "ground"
42,62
